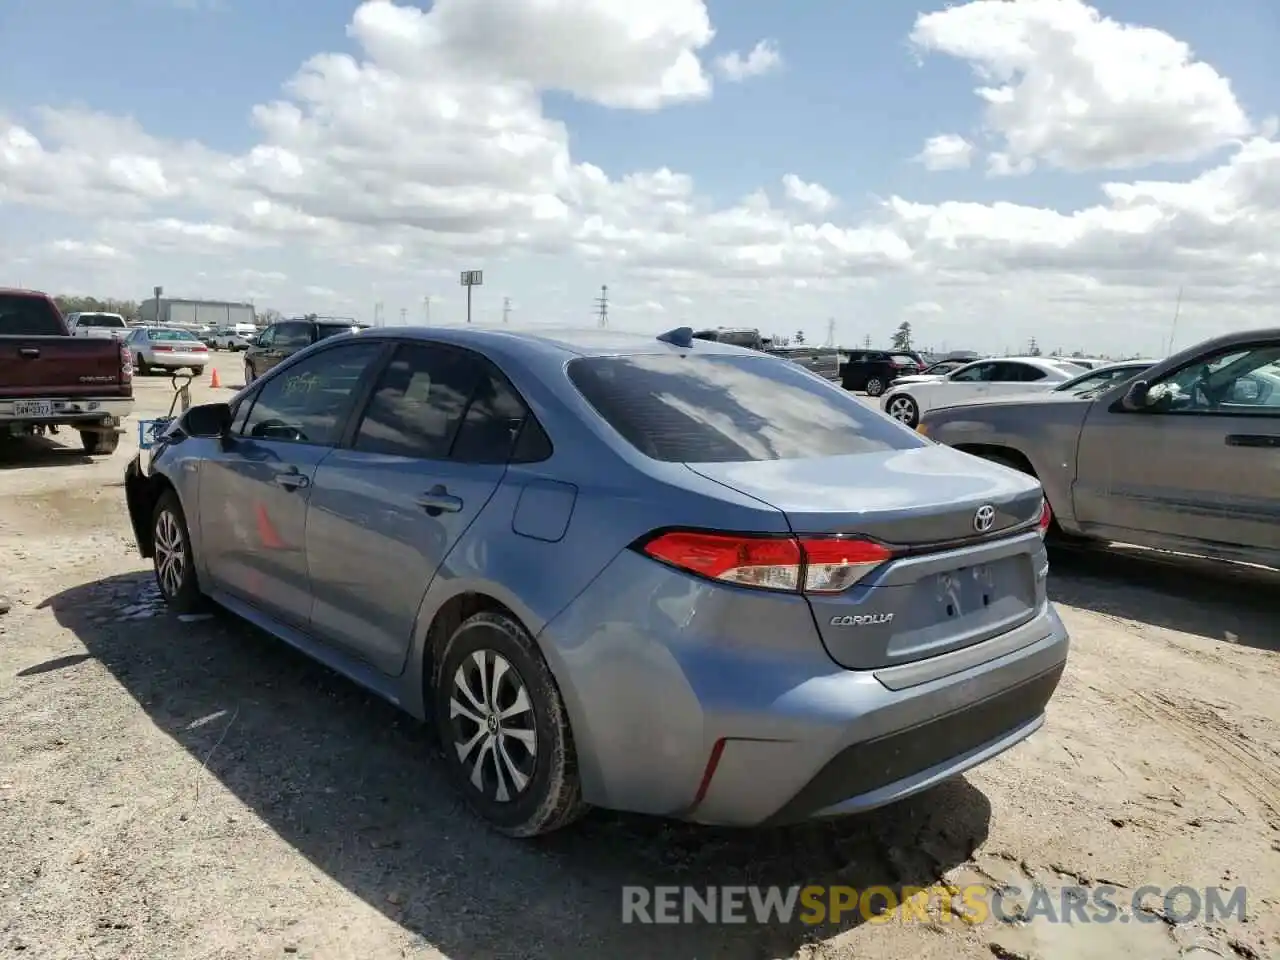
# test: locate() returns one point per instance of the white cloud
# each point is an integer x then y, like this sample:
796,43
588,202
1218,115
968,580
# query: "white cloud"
376,177
814,196
947,151
761,59
1067,86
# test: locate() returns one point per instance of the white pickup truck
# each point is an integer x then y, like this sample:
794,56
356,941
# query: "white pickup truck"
103,325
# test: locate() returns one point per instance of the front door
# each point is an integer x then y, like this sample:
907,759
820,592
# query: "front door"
428,454
1200,464
254,492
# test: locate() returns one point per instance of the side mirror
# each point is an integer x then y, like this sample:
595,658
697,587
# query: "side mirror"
1136,397
208,420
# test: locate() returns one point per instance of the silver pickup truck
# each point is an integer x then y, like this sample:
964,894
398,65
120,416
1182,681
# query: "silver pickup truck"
1184,458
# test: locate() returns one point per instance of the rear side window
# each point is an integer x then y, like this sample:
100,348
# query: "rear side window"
292,335
724,409
28,317
418,403
326,330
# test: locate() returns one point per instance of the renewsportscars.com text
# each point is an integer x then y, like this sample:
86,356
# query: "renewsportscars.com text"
973,904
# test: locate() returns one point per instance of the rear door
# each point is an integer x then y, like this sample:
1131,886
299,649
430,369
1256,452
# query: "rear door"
967,559
1011,377
423,459
254,492
289,338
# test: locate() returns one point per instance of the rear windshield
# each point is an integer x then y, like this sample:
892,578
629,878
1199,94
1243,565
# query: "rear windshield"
727,409
100,320
903,358
28,317
172,335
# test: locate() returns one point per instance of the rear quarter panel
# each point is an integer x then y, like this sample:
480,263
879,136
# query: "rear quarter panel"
1046,435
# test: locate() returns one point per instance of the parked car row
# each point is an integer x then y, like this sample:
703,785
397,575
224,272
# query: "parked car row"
910,396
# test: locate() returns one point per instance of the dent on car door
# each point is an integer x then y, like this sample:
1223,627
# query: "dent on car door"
1199,464
422,461
254,491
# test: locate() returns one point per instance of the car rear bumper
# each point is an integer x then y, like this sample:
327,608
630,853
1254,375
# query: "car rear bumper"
104,413
176,360
691,724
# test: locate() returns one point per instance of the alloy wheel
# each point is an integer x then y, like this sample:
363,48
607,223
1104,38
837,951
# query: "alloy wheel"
170,554
493,725
902,409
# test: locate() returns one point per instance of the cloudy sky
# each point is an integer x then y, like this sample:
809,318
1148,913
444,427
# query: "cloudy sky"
990,171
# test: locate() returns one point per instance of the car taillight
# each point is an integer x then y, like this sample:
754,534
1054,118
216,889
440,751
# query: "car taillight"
199,348
1046,518
790,564
159,349
126,364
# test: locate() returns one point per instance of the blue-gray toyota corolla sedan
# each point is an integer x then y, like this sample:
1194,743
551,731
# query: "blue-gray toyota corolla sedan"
654,574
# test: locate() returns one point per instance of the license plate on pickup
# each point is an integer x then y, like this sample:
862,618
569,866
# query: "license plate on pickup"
33,408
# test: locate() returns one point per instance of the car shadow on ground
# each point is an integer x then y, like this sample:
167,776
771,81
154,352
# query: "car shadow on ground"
18,453
1223,602
355,786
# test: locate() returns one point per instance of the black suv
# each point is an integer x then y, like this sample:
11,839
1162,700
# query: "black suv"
873,370
282,340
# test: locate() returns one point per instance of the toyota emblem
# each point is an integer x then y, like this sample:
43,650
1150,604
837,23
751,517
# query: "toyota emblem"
985,518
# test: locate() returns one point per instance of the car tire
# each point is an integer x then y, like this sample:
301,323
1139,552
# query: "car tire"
875,387
144,368
196,371
172,557
99,444
1056,534
511,756
903,408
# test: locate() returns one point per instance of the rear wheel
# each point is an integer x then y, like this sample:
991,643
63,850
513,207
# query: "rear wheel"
903,409
172,557
1055,533
504,729
875,387
99,444
144,368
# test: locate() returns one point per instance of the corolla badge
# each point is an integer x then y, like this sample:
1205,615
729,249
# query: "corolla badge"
985,518
861,620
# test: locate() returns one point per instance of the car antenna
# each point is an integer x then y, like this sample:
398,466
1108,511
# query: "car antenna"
679,337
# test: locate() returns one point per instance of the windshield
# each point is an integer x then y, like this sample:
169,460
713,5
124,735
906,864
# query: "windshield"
1095,381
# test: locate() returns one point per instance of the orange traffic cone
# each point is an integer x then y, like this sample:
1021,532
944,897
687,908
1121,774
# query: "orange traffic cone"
213,380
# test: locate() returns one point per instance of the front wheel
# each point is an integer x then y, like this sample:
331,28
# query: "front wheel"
504,729
903,409
172,557
875,387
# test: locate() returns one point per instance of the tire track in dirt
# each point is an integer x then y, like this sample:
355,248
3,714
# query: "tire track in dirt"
1218,741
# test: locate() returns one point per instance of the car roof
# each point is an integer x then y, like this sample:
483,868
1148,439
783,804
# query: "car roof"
546,342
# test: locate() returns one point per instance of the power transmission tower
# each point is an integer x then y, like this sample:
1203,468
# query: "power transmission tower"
602,307
866,342
831,331
506,309
404,315
377,314
426,310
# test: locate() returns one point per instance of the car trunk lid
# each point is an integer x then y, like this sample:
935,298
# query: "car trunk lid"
953,579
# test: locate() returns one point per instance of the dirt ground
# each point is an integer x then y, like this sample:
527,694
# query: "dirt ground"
196,790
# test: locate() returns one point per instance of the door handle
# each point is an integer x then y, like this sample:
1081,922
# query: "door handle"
1253,440
31,353
438,500
292,481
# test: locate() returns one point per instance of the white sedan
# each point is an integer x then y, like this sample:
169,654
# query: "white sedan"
166,348
974,381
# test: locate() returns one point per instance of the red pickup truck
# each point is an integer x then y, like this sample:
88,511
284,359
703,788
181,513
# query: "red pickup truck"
50,379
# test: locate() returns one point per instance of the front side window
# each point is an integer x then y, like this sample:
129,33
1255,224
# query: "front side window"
289,335
977,373
729,409
1240,380
307,402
